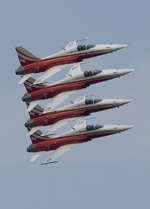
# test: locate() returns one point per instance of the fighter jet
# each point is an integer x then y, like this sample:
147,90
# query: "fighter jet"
83,106
61,90
72,53
79,134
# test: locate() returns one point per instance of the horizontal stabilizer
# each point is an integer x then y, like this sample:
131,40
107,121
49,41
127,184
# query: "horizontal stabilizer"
32,105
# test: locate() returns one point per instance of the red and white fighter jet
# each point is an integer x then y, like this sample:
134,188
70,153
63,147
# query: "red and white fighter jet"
79,134
61,90
83,106
72,53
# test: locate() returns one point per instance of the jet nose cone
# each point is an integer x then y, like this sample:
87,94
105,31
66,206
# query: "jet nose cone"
126,101
125,71
122,46
126,127
117,47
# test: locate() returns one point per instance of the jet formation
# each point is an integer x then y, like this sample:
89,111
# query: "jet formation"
76,79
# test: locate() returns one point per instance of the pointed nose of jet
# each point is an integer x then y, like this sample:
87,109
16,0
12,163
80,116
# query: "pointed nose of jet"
116,128
124,71
113,73
126,127
126,101
117,47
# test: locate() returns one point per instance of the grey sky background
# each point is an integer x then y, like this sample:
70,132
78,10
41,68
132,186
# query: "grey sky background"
109,172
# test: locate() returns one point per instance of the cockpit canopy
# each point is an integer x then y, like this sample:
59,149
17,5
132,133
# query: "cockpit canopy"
84,47
91,73
92,101
93,127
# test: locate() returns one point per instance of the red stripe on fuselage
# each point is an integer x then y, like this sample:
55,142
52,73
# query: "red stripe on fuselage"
54,144
31,68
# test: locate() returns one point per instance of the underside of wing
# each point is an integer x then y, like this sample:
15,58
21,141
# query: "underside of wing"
33,130
32,105
61,150
57,100
57,126
49,73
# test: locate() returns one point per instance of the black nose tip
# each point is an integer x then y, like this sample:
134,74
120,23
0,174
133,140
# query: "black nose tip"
29,124
20,71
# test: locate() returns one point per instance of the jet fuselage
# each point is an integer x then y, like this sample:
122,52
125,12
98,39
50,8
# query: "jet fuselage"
82,80
67,56
77,136
78,109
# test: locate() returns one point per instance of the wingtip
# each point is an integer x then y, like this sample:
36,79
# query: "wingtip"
49,162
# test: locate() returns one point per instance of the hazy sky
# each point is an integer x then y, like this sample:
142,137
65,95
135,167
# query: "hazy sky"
110,172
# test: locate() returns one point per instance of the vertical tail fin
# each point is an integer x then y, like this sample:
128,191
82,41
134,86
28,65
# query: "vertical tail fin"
37,138
30,87
25,57
36,111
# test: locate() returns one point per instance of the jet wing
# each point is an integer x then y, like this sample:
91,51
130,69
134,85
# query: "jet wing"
35,156
32,105
57,100
25,77
57,125
61,150
49,73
